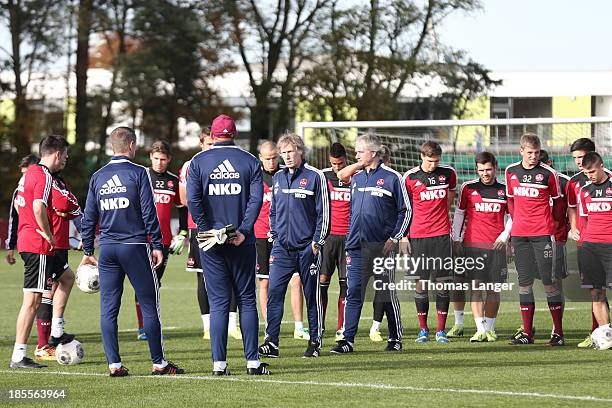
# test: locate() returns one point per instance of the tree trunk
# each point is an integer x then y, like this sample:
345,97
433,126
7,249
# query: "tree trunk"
82,64
106,118
20,138
260,122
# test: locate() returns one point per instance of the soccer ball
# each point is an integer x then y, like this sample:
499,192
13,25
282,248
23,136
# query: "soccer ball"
88,278
69,353
602,337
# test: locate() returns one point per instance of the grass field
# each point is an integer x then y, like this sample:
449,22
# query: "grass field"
458,374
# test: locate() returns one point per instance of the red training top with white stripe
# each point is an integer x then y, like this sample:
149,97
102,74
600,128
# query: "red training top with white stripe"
485,207
166,195
572,189
429,193
183,182
595,207
65,202
262,224
530,192
35,185
340,195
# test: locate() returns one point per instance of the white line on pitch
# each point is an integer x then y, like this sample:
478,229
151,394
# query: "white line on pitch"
334,384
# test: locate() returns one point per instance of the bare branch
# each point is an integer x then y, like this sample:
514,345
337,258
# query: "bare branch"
260,20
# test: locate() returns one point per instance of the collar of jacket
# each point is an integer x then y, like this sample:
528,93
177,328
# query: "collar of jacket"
374,170
225,143
296,172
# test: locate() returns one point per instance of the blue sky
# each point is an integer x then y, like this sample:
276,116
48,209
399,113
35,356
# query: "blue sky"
525,35
542,35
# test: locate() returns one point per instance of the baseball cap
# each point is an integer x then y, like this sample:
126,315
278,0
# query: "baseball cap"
223,126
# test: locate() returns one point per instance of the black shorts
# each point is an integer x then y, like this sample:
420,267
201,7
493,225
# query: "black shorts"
485,265
534,258
38,273
193,258
264,248
334,256
596,261
60,264
159,271
436,258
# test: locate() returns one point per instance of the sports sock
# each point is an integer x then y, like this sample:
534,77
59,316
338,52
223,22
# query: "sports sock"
324,297
57,326
233,321
161,365
379,308
489,323
480,324
375,326
219,365
442,303
299,326
43,321
43,330
527,312
206,322
253,363
556,311
19,352
527,303
459,314
341,305
139,316
422,307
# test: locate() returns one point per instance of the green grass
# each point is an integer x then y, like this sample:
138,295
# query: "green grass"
455,375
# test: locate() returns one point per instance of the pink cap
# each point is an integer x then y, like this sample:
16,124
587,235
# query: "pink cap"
223,126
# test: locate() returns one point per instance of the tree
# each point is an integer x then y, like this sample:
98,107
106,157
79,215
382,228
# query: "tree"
82,64
169,74
267,41
36,30
368,54
112,20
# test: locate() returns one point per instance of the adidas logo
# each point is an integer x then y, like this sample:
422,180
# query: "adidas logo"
224,171
474,193
547,246
112,186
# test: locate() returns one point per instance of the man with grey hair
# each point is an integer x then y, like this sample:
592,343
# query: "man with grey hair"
299,224
380,215
120,200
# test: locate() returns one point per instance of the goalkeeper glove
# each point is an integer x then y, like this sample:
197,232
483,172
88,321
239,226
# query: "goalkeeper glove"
208,239
178,243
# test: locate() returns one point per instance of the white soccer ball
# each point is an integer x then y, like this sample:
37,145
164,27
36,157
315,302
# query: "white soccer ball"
69,353
602,337
88,278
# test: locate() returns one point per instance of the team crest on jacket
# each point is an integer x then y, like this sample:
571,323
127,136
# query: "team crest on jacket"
170,184
501,193
303,182
441,178
380,182
609,191
348,260
271,260
539,177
